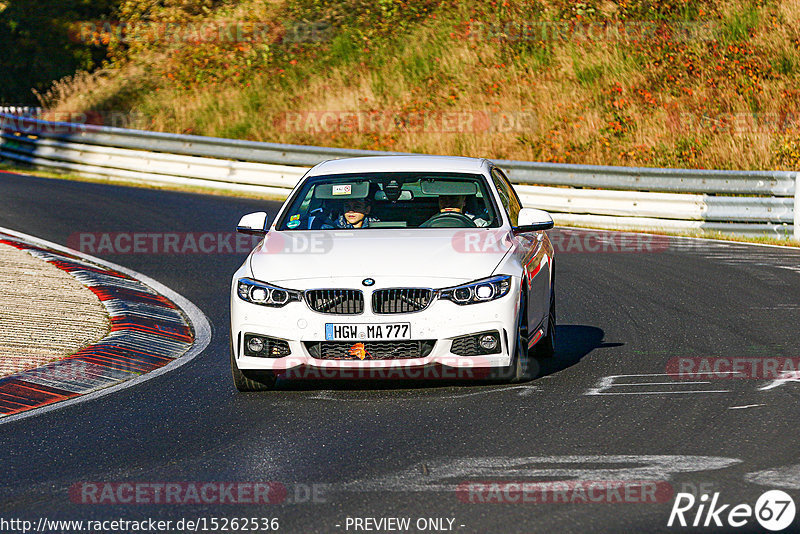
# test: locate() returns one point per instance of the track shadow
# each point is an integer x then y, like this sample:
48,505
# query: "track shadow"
573,343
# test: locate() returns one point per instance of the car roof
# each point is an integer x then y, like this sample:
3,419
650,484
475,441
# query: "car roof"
401,164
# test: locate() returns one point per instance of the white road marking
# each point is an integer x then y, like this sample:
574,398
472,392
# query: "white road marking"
786,477
786,377
324,395
746,406
200,325
662,383
678,387
524,390
661,392
448,473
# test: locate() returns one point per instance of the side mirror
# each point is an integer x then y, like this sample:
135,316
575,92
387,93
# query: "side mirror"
253,224
533,220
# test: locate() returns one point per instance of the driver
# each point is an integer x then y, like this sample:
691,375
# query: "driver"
455,204
356,214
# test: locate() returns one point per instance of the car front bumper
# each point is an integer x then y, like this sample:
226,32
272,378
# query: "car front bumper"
441,322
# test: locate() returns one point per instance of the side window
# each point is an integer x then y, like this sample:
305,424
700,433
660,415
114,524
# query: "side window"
507,194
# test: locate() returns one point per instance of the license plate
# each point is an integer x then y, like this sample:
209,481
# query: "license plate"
366,331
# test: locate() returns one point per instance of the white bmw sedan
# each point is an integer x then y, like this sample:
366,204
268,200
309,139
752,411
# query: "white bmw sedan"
395,267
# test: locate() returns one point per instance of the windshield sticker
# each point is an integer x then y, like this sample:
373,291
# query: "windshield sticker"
293,224
342,189
295,217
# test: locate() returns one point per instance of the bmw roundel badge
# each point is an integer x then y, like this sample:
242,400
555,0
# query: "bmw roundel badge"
368,282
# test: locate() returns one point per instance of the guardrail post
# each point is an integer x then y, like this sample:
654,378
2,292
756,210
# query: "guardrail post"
797,207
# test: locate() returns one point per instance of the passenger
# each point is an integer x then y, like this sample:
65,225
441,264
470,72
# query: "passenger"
356,214
455,204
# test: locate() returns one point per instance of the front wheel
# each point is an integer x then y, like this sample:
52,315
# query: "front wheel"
546,347
251,380
518,369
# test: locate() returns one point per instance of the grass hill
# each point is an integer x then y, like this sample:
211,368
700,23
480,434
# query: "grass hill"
675,83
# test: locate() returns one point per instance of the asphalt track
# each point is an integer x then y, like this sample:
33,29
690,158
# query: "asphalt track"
397,450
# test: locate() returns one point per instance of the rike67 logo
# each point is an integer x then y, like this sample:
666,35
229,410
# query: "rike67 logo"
774,511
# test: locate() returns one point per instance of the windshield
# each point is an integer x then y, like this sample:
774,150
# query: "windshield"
391,200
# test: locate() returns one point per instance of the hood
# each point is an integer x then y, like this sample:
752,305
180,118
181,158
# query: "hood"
441,255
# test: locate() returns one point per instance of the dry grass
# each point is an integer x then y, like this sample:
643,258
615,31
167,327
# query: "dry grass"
657,102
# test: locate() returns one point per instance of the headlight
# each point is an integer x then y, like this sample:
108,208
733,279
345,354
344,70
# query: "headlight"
265,294
478,291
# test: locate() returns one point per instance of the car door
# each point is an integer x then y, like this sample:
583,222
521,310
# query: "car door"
534,255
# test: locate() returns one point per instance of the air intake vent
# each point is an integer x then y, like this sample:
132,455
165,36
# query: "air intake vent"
336,301
369,350
403,300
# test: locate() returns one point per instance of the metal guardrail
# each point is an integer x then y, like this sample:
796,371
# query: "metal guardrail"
738,202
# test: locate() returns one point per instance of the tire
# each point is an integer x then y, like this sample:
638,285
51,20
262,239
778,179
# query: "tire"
251,380
546,347
517,370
